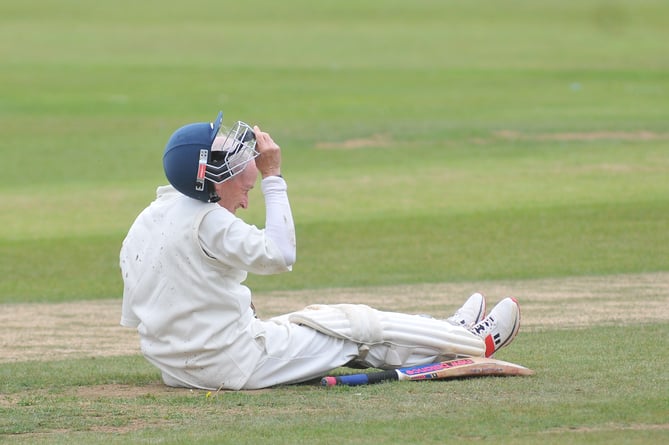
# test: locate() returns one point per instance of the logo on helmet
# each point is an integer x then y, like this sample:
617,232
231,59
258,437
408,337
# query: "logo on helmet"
201,170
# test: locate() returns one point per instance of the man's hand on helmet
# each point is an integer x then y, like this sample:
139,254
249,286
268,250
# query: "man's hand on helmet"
269,160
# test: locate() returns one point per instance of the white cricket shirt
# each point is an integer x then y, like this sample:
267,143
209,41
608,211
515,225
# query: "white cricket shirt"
183,263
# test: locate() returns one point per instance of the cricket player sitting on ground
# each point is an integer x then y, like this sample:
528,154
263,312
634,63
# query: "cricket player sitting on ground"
187,255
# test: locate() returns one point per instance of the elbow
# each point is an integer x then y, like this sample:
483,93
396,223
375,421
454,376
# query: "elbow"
290,257
290,251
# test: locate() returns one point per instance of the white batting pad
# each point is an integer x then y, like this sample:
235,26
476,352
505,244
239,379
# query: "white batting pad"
355,322
369,327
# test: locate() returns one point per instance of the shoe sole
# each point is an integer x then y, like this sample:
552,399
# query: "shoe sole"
482,308
515,329
509,339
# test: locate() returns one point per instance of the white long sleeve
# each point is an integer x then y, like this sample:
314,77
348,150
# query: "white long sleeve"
279,225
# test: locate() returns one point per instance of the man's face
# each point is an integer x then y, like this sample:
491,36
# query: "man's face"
234,192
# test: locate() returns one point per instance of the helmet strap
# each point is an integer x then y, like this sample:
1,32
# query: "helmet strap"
213,196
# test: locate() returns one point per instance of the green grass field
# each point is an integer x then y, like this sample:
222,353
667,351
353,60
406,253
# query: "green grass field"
423,142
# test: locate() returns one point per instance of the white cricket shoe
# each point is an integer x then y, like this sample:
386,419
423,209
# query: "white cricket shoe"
472,312
500,327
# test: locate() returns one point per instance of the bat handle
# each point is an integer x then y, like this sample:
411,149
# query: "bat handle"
360,379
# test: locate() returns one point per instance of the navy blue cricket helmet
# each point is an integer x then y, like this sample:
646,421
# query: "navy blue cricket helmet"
195,157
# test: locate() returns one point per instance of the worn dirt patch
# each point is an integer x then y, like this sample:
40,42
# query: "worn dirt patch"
377,141
63,330
608,427
383,140
91,328
584,136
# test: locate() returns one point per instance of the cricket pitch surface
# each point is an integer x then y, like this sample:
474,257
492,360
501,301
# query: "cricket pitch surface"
79,329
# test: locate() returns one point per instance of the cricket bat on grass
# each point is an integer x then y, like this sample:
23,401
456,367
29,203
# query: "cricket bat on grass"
458,368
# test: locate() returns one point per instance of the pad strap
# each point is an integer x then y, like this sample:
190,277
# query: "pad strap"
354,322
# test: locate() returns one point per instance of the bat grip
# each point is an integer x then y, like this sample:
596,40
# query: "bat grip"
360,379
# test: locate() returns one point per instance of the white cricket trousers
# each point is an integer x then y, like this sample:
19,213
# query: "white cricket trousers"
296,353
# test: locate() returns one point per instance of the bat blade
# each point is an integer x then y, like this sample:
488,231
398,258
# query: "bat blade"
463,367
458,368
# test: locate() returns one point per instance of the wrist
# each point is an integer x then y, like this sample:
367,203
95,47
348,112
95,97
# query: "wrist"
268,175
273,184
